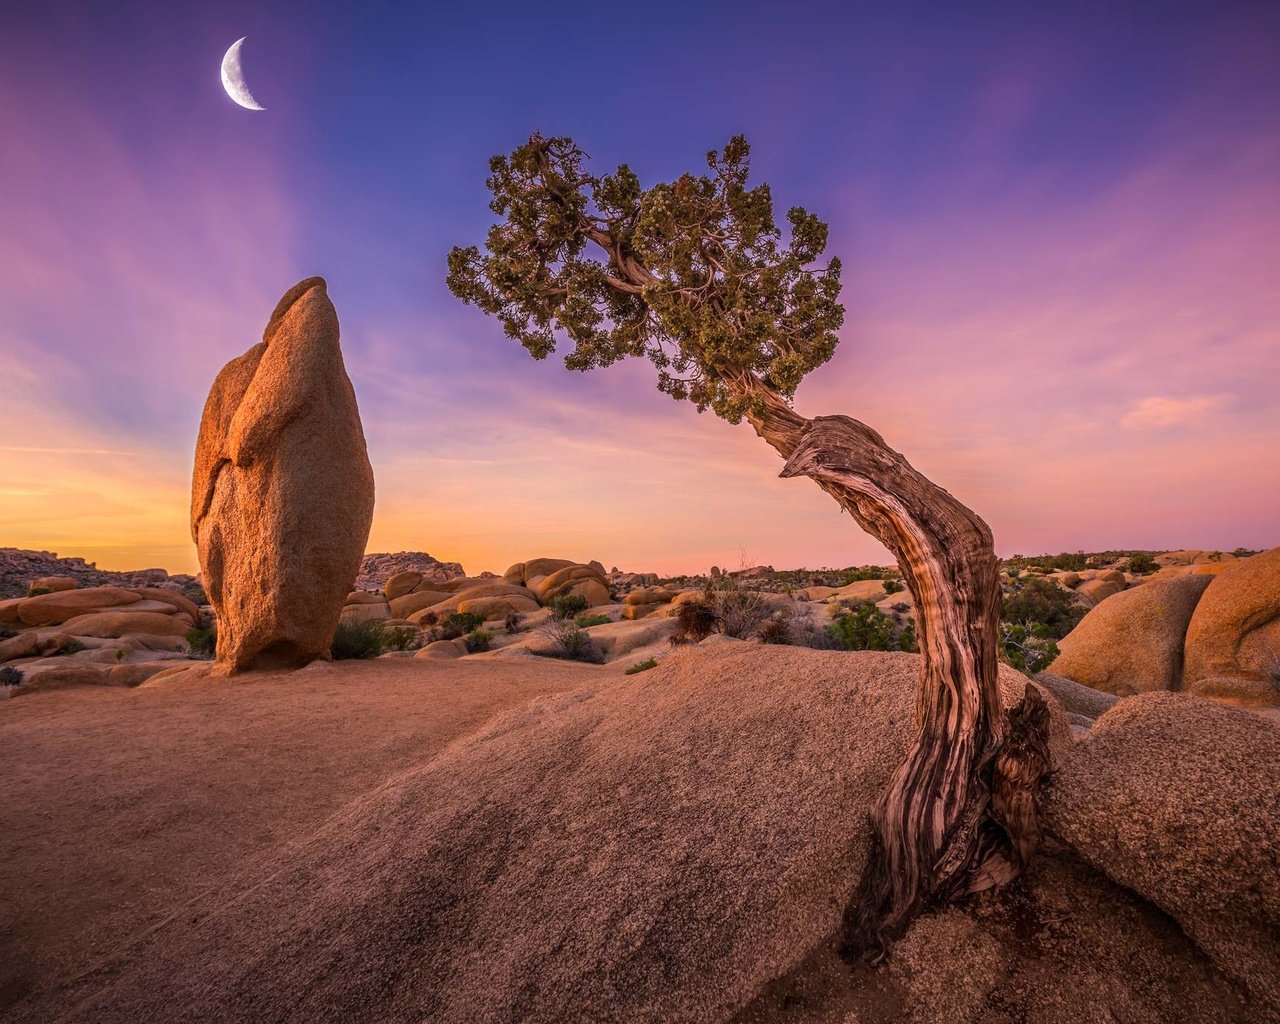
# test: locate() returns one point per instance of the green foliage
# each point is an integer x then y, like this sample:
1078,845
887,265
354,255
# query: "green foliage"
1043,602
864,627
37,591
894,587
692,274
478,640
456,624
566,606
642,666
1028,648
1036,613
400,638
203,642
10,676
907,638
357,640
1142,564
69,646
587,621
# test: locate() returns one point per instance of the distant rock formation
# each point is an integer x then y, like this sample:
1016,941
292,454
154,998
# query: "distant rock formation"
282,493
377,569
548,578
22,571
1213,633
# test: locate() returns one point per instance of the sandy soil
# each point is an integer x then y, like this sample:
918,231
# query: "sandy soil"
120,805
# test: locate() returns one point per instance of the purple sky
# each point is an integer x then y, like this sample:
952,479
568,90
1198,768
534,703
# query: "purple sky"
1061,238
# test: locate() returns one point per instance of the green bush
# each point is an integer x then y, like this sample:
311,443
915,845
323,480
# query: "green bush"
401,638
69,646
893,587
1142,564
642,666
10,676
1042,602
203,642
907,638
1028,648
587,621
566,606
457,624
357,640
864,627
478,640
37,591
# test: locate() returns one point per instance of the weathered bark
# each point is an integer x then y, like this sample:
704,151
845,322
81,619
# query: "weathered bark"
959,813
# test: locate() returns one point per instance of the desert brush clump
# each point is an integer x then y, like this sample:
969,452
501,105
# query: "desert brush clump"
1142,564
740,611
202,641
862,626
587,621
478,640
641,666
65,647
1035,614
570,641
37,591
513,623
453,625
795,628
567,606
357,640
400,638
695,621
10,676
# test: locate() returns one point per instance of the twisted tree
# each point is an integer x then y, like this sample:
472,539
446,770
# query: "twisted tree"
696,276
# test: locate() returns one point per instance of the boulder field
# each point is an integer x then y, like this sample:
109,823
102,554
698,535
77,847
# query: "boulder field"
92,635
420,598
1215,634
677,846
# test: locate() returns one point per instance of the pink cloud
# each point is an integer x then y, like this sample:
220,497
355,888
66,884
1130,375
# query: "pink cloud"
1158,412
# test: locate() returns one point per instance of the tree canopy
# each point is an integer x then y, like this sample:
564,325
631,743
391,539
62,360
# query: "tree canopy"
693,274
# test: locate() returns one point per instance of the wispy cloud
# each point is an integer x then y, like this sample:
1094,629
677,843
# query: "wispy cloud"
1159,412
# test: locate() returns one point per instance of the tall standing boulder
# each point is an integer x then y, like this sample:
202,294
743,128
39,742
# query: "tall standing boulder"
282,493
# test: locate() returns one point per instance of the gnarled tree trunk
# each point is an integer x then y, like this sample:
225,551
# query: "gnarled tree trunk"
959,814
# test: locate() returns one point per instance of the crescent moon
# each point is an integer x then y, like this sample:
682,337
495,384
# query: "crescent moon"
233,78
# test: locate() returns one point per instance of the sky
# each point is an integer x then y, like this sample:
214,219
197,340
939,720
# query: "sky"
1060,227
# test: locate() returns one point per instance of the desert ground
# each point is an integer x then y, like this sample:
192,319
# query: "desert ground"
511,833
